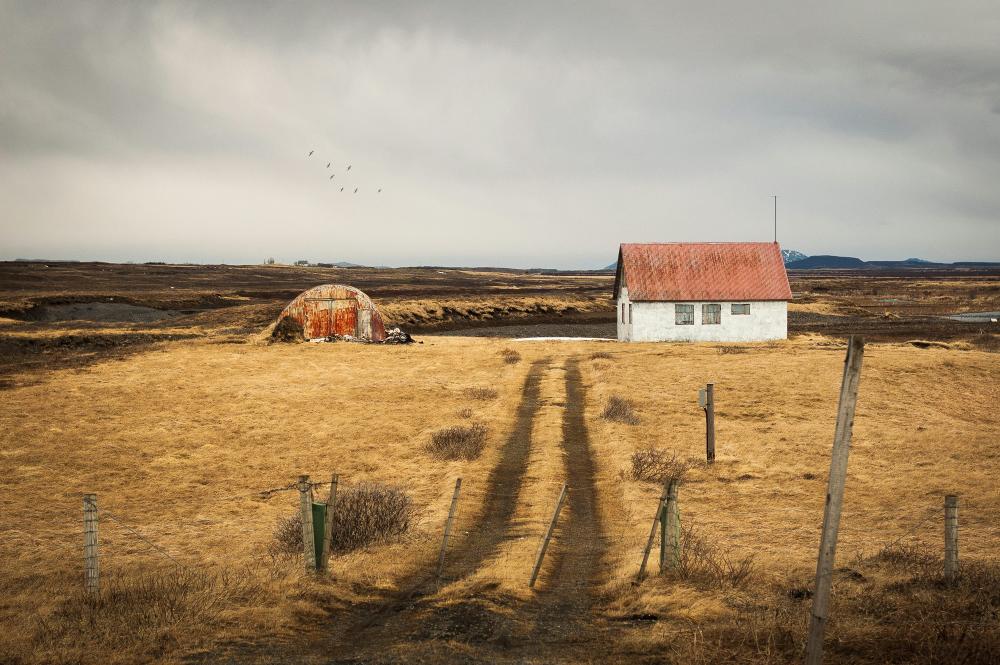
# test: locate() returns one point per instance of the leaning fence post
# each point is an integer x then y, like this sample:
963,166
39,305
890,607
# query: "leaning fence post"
331,500
548,537
660,506
669,540
950,537
91,574
308,539
447,525
834,498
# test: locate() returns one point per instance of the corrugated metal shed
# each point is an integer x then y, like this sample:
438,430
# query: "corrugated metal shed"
699,271
335,310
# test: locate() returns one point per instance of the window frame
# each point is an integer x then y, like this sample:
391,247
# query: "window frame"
710,311
733,306
686,309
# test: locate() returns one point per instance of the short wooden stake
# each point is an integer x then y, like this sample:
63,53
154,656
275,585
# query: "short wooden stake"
331,500
670,550
308,538
548,537
91,575
660,507
447,525
950,537
710,422
834,498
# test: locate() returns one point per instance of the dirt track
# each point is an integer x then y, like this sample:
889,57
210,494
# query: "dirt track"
416,624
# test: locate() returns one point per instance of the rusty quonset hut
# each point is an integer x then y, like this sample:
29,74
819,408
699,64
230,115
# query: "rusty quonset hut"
333,310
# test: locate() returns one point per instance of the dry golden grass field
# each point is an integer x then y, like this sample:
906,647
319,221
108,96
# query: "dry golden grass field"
183,440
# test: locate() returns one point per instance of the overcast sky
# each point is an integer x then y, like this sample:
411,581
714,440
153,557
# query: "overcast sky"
508,134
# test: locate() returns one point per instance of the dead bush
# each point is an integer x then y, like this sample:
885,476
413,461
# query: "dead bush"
149,610
702,560
481,393
458,442
601,355
725,350
620,410
364,515
287,330
655,465
510,356
985,341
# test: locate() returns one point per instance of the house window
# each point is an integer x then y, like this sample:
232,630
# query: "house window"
684,315
623,312
630,313
741,309
711,314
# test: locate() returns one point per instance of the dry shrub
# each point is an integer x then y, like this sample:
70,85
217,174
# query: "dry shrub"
703,561
458,442
288,330
481,392
620,410
986,341
601,355
148,611
655,465
510,356
364,515
725,350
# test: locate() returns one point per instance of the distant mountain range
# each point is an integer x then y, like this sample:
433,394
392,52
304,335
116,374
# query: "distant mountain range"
826,261
795,260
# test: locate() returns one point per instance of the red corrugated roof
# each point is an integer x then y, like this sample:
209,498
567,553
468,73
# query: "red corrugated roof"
672,271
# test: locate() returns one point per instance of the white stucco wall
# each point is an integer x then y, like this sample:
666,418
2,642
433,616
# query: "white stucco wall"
622,315
654,322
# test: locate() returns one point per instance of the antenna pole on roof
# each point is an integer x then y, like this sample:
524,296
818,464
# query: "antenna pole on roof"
775,197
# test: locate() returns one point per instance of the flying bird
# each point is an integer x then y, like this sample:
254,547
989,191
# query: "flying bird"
331,178
311,152
328,165
348,167
379,190
355,190
341,189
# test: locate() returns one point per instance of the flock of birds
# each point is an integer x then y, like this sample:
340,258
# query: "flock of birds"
346,171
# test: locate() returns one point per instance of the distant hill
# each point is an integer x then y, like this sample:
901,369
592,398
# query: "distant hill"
826,261
791,256
613,267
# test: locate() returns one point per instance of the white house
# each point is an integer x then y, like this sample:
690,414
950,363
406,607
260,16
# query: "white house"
701,292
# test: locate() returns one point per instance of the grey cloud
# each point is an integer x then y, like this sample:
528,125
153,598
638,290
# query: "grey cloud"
525,133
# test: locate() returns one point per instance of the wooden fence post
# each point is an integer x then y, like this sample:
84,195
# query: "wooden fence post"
548,537
91,575
710,422
447,525
669,538
308,539
950,537
331,500
660,506
834,498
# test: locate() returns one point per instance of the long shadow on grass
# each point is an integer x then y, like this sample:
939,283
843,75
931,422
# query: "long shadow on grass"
502,486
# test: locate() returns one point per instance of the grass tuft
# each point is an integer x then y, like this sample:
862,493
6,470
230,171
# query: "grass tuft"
481,392
459,442
510,356
620,410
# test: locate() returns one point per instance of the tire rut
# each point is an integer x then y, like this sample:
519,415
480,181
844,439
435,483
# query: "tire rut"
484,539
566,598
